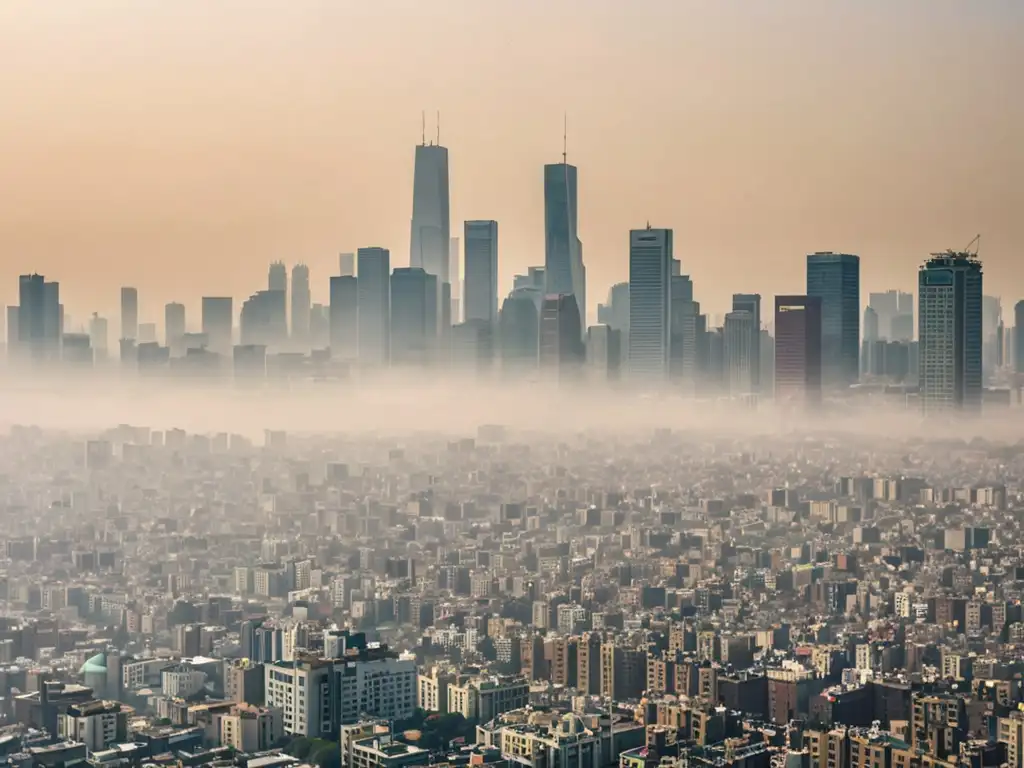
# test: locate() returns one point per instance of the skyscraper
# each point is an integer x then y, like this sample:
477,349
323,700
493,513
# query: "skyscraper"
751,303
430,219
344,318
1018,336
174,327
561,344
650,279
277,280
991,322
455,273
374,306
262,321
301,303
835,279
519,331
563,252
413,316
481,272
950,331
347,264
798,341
98,336
868,352
895,311
129,313
738,340
218,323
39,317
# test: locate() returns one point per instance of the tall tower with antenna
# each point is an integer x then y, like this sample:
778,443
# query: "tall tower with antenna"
430,237
564,271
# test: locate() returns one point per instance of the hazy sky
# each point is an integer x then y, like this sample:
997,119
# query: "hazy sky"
182,145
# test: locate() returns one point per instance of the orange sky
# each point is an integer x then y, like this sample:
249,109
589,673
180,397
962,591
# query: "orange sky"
181,146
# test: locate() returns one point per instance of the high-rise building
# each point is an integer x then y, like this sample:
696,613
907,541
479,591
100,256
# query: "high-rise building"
835,279
798,342
129,313
344,318
347,265
738,342
374,306
560,350
519,331
431,236
301,302
39,322
564,272
1018,336
218,323
174,326
604,355
751,302
950,331
262,321
455,274
481,293
99,336
871,340
650,297
895,311
413,316
991,325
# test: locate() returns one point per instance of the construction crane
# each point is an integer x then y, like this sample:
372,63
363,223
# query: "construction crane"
976,242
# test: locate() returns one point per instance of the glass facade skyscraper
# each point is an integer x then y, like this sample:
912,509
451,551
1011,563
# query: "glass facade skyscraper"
563,252
431,225
374,306
481,271
950,331
835,279
650,298
798,349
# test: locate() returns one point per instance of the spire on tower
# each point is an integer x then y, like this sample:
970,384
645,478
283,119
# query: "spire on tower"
565,138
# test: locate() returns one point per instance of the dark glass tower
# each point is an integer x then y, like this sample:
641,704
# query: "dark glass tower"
563,252
798,349
835,279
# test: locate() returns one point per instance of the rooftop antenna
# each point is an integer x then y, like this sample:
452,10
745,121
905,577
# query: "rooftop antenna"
439,127
565,138
423,127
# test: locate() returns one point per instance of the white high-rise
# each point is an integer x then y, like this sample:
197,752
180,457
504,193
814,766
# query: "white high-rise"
650,280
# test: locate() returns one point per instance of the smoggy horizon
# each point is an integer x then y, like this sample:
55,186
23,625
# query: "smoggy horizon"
182,148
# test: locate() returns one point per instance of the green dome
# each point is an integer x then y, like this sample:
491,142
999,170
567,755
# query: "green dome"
96,665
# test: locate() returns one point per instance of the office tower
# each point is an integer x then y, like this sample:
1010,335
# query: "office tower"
413,316
519,331
560,353
277,280
481,270
563,252
374,306
129,313
455,274
262,321
684,352
991,320
39,317
473,345
347,265
98,336
835,279
1018,336
767,363
798,341
868,364
218,323
174,326
604,355
13,332
650,278
738,340
751,302
895,311
301,302
344,318
950,331
431,236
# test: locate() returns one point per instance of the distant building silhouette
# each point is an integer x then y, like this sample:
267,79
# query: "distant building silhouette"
218,323
301,303
129,313
650,302
835,279
344,318
374,293
413,317
481,273
798,349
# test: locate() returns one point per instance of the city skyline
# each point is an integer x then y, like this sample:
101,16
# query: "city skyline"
133,191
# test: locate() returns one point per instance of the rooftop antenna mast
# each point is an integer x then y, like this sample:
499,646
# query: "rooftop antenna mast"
565,138
439,127
423,127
